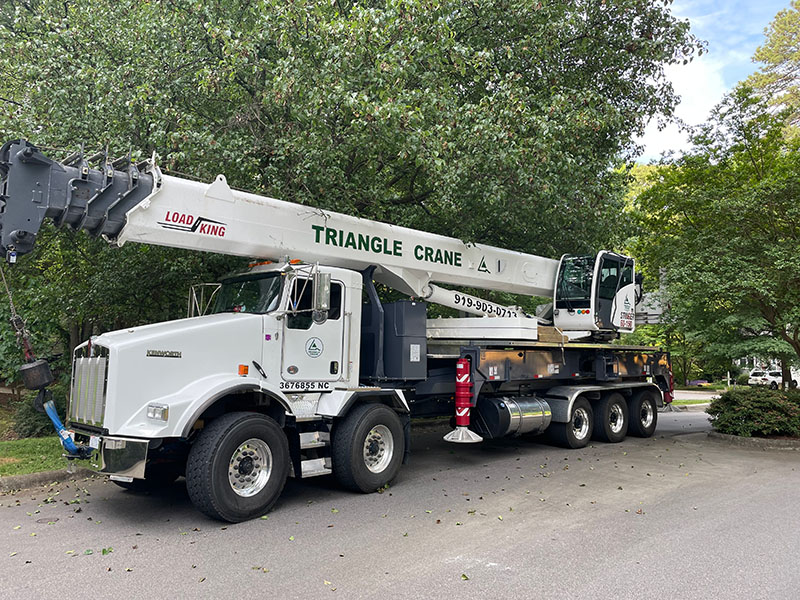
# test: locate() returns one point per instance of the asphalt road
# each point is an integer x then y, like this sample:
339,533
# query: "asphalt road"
675,516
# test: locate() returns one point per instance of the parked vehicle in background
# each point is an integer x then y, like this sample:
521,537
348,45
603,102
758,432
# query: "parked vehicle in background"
772,378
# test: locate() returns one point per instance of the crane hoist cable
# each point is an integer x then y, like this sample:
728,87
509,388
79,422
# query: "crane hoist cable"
17,322
36,375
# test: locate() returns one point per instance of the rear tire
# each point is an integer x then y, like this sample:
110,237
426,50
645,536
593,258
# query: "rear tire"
578,431
643,412
368,448
611,418
237,467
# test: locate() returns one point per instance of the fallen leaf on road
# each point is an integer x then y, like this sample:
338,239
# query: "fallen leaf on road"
464,577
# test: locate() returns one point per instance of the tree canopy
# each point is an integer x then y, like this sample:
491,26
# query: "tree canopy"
779,76
724,222
498,121
495,121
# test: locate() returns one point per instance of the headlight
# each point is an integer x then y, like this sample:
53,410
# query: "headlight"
158,412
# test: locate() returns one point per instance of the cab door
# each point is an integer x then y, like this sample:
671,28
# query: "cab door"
312,352
615,293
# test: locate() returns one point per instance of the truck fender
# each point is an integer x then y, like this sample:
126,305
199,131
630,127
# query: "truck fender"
338,402
219,391
562,397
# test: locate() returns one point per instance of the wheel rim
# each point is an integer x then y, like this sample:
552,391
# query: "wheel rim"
378,448
646,415
580,423
616,418
250,467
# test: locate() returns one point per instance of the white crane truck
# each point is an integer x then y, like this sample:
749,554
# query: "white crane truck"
301,369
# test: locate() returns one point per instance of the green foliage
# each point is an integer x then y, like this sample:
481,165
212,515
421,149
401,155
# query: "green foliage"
724,224
73,287
495,121
742,379
779,76
30,423
20,457
757,412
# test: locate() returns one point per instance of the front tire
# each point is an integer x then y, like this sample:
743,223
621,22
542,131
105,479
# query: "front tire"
611,418
368,448
643,412
237,467
578,431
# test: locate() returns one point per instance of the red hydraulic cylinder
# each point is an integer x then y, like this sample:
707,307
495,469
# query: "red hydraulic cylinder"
462,434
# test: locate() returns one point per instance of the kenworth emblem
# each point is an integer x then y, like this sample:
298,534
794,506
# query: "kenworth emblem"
164,353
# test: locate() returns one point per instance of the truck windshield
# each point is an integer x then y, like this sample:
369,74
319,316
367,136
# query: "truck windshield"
574,286
250,293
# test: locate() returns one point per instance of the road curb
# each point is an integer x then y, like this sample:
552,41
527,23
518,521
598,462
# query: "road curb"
12,483
755,443
688,407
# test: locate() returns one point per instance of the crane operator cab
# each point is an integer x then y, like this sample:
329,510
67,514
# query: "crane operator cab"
596,296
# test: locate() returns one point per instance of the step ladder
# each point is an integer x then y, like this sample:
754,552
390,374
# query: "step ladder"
315,448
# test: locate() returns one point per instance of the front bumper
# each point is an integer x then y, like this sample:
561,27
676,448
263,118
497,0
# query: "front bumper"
118,456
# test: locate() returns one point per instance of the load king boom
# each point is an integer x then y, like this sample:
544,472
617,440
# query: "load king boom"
302,369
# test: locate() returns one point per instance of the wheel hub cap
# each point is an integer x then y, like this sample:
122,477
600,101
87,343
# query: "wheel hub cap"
378,448
580,423
250,467
646,414
616,418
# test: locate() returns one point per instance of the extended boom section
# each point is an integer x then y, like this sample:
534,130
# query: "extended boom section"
34,188
142,205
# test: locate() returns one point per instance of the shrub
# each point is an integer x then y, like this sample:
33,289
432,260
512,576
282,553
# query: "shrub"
742,379
757,412
29,423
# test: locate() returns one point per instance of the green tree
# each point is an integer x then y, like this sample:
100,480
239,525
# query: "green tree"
496,121
724,222
779,76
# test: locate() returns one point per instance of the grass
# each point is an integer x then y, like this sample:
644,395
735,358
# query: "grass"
685,402
31,455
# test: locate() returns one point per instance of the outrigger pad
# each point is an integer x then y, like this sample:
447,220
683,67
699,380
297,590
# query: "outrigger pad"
463,435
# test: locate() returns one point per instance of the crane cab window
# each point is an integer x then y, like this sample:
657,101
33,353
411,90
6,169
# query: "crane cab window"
574,286
300,304
609,279
614,275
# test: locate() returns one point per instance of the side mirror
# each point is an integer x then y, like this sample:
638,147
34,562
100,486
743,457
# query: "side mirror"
322,297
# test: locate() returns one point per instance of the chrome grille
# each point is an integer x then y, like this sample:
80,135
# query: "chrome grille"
88,398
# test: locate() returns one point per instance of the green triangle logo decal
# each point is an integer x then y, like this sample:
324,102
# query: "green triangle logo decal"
482,268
